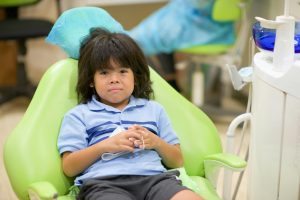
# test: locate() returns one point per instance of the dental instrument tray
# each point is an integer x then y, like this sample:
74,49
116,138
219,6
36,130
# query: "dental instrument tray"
264,38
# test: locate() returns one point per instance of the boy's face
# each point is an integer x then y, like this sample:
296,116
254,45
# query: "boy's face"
114,85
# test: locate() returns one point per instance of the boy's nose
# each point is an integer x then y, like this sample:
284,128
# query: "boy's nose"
114,78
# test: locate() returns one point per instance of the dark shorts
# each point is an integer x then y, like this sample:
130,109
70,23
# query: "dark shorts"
131,187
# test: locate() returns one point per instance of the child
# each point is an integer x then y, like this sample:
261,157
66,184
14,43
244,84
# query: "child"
117,142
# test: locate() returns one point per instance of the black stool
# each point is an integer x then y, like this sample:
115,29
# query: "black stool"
14,28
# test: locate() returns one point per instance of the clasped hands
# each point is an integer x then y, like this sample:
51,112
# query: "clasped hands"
135,137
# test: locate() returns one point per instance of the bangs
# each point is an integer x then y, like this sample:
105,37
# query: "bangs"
107,50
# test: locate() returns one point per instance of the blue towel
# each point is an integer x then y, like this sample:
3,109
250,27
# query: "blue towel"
181,24
74,25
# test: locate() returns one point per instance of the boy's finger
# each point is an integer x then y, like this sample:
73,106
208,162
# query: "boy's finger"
133,134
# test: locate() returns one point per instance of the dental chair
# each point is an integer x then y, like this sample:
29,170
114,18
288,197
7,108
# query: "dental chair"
31,156
33,162
206,64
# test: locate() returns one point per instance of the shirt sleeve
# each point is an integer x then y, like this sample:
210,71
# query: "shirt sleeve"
72,135
166,131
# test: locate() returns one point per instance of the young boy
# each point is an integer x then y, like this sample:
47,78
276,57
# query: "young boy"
117,142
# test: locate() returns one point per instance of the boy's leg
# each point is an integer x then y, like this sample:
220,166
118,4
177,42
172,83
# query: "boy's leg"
168,186
105,194
186,194
100,190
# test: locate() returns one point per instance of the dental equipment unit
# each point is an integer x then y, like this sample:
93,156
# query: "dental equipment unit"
274,152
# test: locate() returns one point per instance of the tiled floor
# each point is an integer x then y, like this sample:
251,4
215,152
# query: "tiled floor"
12,112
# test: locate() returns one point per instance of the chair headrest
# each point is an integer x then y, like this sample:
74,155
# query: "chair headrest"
74,25
226,10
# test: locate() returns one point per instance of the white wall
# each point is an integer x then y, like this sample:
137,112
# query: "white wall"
271,8
40,54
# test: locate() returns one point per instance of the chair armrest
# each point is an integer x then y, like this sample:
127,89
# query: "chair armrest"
213,163
42,190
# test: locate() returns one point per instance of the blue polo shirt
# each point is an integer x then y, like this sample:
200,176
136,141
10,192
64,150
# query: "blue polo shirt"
87,124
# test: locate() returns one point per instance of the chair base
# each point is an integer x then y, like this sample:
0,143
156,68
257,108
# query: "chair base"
9,93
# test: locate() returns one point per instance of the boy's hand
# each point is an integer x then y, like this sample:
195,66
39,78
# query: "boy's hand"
148,140
123,141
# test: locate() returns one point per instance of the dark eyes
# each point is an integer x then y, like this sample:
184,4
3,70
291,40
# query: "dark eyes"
124,70
105,72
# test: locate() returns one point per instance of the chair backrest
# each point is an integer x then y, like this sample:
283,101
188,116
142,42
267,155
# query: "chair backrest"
15,3
226,10
31,154
234,10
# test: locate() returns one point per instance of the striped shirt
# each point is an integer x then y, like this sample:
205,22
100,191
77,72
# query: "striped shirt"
87,124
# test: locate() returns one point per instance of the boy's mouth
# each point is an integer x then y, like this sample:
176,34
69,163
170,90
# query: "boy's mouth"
115,89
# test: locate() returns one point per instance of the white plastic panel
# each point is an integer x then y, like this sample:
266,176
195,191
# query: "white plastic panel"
290,166
266,137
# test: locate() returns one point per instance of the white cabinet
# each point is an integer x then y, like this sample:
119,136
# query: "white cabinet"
274,171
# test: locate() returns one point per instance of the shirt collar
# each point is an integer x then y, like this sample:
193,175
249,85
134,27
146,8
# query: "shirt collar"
95,105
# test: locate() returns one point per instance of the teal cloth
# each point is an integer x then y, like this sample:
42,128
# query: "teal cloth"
74,25
181,24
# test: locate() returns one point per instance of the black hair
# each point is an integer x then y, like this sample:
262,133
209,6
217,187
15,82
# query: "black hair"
96,52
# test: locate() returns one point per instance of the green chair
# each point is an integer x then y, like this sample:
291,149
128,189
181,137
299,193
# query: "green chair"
33,162
205,62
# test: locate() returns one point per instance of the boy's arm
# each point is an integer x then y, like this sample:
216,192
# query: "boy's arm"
77,161
170,154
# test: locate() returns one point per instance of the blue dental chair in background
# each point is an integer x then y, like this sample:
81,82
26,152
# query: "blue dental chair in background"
209,81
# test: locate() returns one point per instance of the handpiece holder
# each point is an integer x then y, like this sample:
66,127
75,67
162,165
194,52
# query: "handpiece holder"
284,54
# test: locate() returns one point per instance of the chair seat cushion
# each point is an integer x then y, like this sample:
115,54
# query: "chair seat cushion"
204,188
66,197
210,49
24,28
199,184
